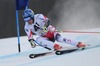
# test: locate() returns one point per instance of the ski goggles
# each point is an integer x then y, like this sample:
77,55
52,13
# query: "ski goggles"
27,19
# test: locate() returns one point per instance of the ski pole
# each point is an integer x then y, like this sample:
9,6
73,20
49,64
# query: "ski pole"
41,45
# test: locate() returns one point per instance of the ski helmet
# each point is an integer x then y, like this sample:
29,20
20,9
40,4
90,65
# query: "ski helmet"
28,14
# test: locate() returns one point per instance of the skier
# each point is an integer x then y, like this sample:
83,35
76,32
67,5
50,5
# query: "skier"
40,25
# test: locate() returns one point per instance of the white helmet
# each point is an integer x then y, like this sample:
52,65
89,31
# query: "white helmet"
28,14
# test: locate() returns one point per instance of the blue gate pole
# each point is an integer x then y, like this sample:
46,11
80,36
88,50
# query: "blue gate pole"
18,32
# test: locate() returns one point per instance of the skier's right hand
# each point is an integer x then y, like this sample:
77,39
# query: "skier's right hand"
44,29
33,45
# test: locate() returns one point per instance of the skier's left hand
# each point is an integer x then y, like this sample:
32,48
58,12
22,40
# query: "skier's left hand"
33,45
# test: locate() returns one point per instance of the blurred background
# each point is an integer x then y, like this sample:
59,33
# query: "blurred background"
64,14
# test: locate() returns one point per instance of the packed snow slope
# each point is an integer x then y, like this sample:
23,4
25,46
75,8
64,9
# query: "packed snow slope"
9,55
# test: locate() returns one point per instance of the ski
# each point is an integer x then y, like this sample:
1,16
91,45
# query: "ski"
60,52
39,54
68,50
76,50
65,51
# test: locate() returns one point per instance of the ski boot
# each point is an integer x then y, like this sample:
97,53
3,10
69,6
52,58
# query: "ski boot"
81,45
57,47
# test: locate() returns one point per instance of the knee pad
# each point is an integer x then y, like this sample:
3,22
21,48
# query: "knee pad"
57,36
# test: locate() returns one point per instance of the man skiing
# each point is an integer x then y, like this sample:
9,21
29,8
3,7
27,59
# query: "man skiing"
40,25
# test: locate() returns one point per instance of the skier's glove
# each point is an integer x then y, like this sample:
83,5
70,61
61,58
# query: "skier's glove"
44,29
33,45
47,23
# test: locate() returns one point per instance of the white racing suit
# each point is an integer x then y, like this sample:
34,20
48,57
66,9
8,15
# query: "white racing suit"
46,38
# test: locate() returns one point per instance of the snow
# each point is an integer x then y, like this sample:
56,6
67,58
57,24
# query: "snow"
9,54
